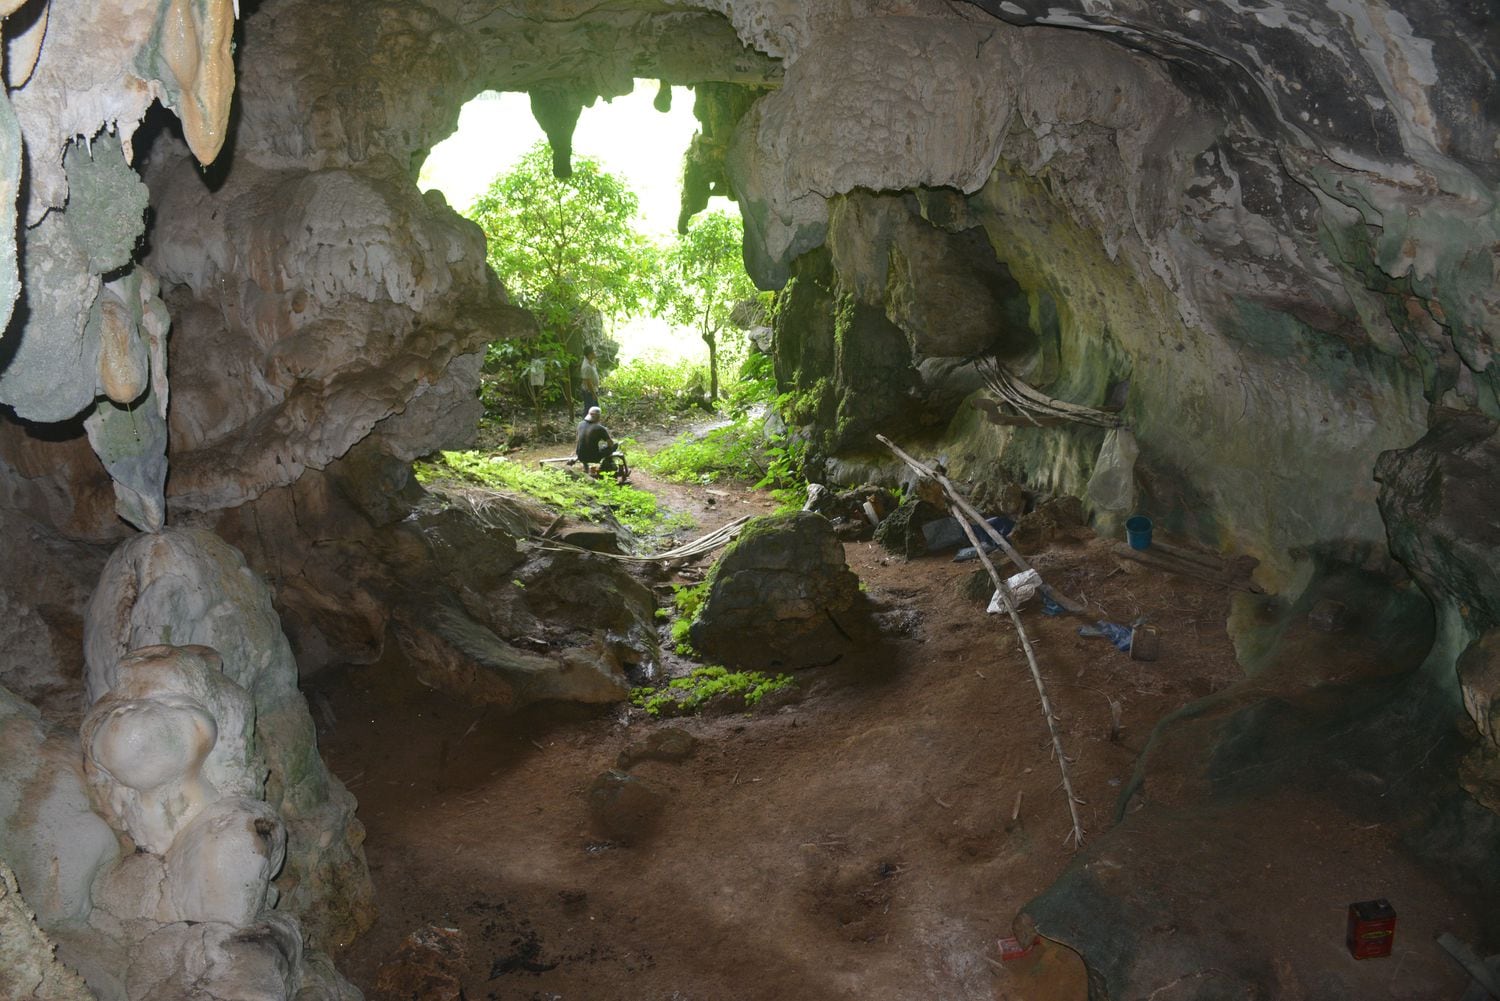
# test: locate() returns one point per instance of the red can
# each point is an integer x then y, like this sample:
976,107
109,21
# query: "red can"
1372,929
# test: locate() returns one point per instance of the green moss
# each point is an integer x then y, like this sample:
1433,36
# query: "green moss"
689,600
802,407
844,312
687,695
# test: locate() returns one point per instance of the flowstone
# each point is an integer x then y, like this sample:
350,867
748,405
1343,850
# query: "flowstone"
187,587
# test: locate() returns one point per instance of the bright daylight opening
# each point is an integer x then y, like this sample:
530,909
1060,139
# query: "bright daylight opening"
629,138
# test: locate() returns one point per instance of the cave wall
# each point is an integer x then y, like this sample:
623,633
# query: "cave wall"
1233,268
1279,226
1287,284
1290,281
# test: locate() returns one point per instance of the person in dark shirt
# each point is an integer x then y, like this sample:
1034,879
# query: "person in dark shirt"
594,443
588,378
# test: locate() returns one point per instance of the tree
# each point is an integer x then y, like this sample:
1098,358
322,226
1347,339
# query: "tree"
567,250
702,276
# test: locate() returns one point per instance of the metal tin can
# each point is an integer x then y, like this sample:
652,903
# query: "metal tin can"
1372,929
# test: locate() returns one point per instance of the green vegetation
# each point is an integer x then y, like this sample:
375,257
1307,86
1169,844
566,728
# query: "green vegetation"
645,391
731,451
688,599
749,447
565,246
701,279
687,695
581,496
784,476
568,251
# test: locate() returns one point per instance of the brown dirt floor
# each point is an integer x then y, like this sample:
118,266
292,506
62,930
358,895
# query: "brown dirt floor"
870,840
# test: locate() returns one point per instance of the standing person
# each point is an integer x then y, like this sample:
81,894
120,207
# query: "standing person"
588,376
594,444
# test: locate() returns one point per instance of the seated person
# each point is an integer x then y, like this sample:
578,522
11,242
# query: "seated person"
594,443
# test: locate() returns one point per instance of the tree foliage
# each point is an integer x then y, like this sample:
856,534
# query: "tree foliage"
565,248
701,278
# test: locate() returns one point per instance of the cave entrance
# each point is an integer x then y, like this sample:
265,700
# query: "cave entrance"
637,287
640,137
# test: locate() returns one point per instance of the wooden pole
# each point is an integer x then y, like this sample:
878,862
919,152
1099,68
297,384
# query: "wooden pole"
967,516
970,512
1008,597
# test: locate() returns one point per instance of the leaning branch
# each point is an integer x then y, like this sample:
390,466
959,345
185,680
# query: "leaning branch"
954,497
962,513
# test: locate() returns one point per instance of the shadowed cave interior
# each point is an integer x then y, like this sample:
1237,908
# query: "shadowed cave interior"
277,721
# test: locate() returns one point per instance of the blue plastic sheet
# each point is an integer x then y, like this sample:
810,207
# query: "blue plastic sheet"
1114,632
968,553
947,532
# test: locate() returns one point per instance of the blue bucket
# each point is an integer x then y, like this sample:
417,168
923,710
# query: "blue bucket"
1138,532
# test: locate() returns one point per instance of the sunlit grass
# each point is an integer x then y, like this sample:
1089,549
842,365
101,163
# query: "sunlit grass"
565,492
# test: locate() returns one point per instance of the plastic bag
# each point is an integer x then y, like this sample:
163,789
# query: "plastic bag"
968,553
1114,632
1112,487
947,532
1022,585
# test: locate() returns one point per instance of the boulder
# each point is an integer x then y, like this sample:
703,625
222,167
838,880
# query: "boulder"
782,597
902,534
484,618
1437,501
625,807
428,966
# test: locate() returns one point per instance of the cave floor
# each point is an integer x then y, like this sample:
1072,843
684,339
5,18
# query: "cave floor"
859,841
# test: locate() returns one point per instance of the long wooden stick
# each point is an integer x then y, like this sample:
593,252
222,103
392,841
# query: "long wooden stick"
1008,597
971,512
966,515
1466,957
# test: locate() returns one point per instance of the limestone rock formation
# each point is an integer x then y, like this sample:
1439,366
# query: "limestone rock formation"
1276,226
92,328
50,838
186,586
28,968
390,303
168,738
1479,681
1436,499
206,847
1164,230
782,597
473,609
